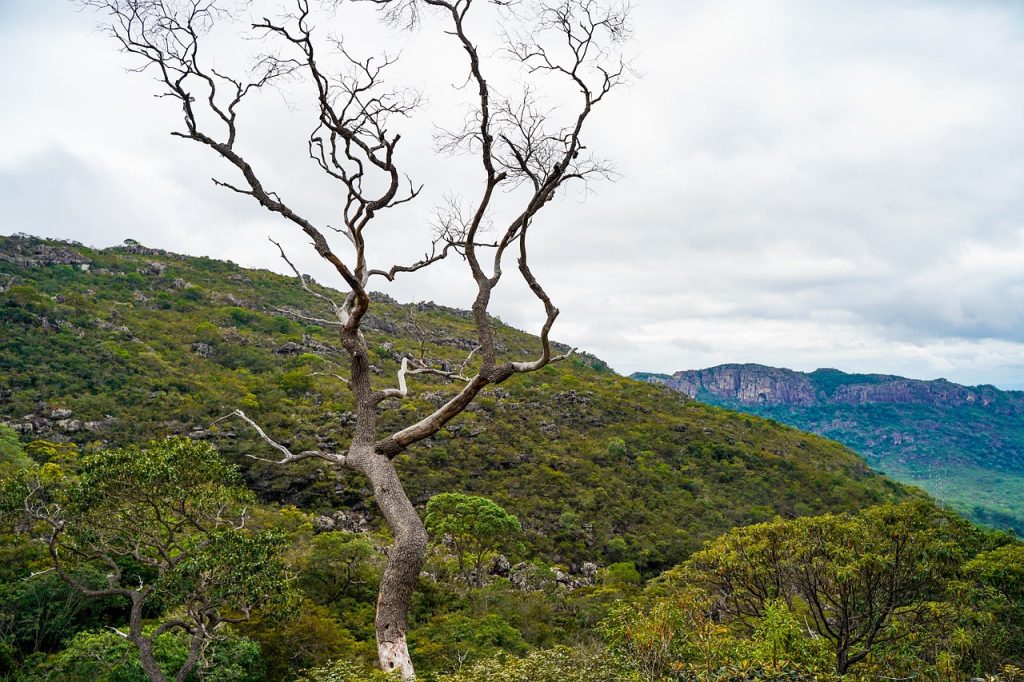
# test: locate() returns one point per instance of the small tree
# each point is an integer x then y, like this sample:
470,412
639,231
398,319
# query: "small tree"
852,575
476,529
528,152
164,527
338,564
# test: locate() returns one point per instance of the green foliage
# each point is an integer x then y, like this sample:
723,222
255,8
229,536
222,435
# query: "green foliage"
779,641
42,613
207,332
560,664
103,656
647,638
623,572
649,476
45,452
312,637
159,526
345,671
449,641
475,527
12,455
598,468
884,589
339,565
232,571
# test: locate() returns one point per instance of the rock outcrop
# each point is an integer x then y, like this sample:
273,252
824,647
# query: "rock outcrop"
752,384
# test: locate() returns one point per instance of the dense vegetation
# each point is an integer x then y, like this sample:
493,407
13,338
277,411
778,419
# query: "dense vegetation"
576,516
598,467
182,579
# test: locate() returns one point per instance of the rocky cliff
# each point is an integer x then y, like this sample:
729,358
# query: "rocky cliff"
752,384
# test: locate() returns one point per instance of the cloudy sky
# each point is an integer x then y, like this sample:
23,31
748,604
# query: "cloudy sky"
805,183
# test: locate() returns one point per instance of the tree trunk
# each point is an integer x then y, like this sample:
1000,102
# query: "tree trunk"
405,558
147,657
842,661
148,660
195,648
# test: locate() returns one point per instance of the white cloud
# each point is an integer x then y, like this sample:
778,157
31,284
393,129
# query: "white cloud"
805,182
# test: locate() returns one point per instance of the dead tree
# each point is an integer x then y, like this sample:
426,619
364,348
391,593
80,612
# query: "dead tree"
523,148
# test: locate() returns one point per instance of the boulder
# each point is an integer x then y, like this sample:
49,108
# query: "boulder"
70,425
203,350
500,566
152,268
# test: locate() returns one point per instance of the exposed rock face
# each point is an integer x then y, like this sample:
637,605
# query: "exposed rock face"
963,444
745,383
203,350
154,268
500,566
760,385
34,254
897,390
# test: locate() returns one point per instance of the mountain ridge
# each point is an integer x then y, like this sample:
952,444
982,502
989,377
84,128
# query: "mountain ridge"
827,385
964,444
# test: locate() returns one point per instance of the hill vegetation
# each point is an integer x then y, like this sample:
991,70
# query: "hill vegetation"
145,344
576,516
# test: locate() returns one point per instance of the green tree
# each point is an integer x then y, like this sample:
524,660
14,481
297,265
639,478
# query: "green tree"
854,576
646,637
995,581
103,656
164,527
12,454
338,564
476,528
560,664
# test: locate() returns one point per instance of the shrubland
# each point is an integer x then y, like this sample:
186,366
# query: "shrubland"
583,526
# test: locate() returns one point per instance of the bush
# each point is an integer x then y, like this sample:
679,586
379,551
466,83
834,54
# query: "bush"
560,664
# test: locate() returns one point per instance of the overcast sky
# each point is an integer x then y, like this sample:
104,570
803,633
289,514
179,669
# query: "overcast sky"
818,183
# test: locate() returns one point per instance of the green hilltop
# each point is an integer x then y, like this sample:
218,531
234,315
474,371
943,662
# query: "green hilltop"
126,344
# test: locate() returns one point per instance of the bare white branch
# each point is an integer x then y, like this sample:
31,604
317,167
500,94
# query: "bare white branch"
287,455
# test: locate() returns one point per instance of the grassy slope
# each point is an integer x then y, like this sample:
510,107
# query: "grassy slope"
596,465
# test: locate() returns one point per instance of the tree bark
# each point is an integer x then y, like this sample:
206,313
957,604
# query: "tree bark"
405,559
148,659
144,644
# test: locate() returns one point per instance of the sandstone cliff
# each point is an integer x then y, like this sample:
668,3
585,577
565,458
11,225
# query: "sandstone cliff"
752,384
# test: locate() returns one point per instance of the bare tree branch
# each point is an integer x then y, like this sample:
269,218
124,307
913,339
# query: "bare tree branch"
528,148
287,455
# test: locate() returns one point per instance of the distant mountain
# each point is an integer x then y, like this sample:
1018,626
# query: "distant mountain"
963,444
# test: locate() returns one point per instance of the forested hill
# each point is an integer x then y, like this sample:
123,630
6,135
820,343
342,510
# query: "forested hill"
127,344
963,444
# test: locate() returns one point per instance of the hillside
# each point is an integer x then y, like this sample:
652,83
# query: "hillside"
963,444
127,344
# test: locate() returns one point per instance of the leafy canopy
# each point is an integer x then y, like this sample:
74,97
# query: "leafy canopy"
476,528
